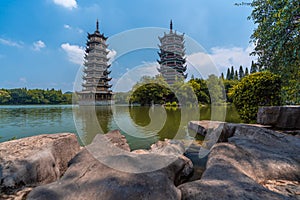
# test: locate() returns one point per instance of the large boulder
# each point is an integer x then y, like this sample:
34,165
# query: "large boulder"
241,167
107,171
284,117
33,161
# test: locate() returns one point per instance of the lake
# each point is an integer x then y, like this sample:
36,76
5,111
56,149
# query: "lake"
142,126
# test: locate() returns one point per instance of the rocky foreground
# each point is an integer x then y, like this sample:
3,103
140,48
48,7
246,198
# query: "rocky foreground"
248,162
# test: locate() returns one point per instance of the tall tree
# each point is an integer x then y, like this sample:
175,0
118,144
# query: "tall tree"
246,71
228,74
253,68
277,39
241,72
236,76
222,76
216,89
231,73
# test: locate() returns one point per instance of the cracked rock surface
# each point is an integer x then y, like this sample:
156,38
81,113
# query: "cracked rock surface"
253,163
118,173
33,161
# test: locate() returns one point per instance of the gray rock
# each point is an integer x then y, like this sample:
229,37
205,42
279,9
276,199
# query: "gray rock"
36,160
88,178
285,117
238,169
199,163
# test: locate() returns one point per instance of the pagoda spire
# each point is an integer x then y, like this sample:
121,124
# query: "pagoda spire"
171,25
97,26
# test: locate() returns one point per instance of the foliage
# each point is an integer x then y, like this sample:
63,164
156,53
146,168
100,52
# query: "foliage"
174,104
236,74
150,93
184,93
277,39
154,90
121,97
246,71
4,96
200,89
228,74
253,68
231,73
34,96
216,89
228,85
258,89
241,72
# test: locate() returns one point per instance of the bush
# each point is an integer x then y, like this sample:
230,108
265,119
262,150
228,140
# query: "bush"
174,104
168,104
257,89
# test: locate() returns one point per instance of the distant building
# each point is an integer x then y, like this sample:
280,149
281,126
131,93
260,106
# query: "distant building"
172,61
96,87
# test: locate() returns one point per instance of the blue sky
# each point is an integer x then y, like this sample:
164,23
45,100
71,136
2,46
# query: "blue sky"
41,41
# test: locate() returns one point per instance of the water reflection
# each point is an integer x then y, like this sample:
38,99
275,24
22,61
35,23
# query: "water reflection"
142,126
24,121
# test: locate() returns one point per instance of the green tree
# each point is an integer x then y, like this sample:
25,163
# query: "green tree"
258,89
228,85
236,76
246,71
4,96
277,39
231,73
241,72
185,94
253,68
228,74
121,97
149,93
216,89
18,96
200,88
222,76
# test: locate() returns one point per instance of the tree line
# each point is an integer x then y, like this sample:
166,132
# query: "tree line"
241,73
20,96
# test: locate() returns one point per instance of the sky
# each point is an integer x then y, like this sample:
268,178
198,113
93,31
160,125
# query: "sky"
42,41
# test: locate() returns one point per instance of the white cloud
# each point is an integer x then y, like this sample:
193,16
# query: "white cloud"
69,27
38,45
219,60
66,26
22,80
75,53
79,30
10,43
111,55
70,4
132,76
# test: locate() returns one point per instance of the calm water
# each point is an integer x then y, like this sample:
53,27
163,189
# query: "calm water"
142,126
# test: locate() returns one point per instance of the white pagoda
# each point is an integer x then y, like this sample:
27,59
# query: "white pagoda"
96,87
172,52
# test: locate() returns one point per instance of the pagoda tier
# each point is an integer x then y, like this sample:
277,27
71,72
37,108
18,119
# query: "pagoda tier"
97,85
95,78
172,60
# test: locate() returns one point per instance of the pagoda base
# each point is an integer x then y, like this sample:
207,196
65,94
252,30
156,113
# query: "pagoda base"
96,103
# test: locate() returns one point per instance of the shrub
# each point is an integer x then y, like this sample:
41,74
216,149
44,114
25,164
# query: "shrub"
174,104
257,89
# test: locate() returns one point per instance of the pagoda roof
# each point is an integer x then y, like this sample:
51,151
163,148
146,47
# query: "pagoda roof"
97,32
106,72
